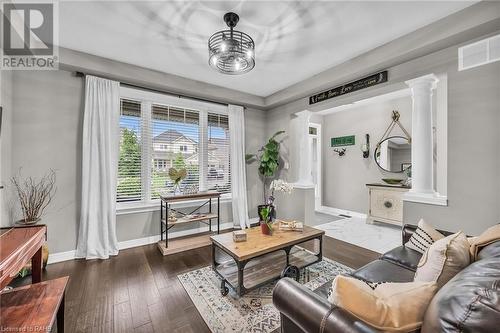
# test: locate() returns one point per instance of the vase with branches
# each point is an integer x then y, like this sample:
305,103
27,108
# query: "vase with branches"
34,195
268,157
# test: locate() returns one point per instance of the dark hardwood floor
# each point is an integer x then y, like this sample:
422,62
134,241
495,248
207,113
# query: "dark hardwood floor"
138,290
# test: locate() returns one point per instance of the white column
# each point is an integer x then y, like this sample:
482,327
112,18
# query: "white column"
421,143
304,156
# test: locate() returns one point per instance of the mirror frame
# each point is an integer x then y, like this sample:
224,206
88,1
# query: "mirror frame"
377,148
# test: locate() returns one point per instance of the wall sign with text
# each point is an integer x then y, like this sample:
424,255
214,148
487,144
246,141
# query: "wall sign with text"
343,141
349,87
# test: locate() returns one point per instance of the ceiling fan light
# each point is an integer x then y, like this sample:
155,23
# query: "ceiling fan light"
233,50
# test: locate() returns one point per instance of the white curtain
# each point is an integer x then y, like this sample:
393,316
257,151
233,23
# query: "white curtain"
238,174
97,234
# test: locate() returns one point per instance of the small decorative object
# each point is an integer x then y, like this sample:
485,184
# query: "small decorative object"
290,225
191,189
340,151
34,196
392,181
231,51
239,236
177,175
405,166
266,225
365,147
172,217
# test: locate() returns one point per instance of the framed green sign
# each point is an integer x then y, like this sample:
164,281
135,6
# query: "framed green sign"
349,140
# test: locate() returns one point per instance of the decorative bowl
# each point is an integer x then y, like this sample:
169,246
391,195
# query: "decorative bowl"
392,181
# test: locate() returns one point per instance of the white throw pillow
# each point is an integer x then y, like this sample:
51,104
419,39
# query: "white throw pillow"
387,306
423,237
444,259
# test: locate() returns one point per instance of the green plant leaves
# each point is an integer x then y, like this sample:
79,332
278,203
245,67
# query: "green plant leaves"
268,156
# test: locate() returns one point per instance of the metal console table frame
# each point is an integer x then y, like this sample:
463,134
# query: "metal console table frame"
166,201
288,270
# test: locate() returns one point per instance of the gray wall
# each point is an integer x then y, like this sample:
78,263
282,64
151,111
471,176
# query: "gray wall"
473,153
5,143
344,178
473,136
47,130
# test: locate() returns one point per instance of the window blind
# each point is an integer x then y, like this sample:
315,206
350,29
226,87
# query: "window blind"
129,162
219,163
175,145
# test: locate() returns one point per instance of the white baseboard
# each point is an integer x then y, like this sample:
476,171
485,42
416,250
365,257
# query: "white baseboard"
70,255
338,212
61,256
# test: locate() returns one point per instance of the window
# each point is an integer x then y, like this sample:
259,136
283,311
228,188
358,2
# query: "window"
218,175
176,128
160,133
129,162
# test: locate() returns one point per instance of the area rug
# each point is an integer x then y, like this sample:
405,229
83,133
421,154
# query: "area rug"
253,312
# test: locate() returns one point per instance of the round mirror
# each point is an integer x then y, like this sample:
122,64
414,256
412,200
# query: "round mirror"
393,154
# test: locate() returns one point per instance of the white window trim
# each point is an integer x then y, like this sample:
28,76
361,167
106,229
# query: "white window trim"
147,99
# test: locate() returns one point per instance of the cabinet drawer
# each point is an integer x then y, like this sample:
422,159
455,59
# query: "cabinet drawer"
386,204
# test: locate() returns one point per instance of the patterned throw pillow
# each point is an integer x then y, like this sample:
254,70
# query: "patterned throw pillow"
423,237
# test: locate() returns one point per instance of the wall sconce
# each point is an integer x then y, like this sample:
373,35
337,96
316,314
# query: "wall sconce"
340,151
365,147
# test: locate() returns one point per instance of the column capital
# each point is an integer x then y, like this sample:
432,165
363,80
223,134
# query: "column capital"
429,79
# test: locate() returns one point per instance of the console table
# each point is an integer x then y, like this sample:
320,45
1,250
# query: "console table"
18,245
203,217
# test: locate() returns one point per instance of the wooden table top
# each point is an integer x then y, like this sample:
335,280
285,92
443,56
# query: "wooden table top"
257,243
32,308
193,196
17,246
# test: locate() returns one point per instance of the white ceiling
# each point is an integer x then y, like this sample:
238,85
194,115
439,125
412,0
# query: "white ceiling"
294,40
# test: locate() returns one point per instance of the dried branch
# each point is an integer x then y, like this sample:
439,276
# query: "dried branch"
35,196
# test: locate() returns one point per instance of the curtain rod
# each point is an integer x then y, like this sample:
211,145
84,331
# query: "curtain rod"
131,85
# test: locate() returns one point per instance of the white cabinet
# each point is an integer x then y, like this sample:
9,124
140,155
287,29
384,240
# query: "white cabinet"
386,203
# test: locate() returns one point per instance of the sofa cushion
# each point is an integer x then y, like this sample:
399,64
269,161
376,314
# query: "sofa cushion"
383,271
394,307
469,302
404,256
444,259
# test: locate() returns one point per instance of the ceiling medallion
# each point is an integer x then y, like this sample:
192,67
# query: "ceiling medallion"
231,51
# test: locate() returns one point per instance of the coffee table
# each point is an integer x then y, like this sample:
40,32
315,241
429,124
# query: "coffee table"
262,258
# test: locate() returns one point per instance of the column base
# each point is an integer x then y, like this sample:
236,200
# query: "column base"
426,198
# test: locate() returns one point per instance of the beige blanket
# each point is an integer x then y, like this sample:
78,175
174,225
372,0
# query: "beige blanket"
491,235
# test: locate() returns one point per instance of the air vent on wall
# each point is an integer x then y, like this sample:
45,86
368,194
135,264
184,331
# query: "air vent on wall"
479,53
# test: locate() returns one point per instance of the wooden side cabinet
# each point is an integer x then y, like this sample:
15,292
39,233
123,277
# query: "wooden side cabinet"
386,203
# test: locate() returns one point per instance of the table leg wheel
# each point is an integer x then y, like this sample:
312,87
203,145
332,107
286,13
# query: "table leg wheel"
223,289
291,272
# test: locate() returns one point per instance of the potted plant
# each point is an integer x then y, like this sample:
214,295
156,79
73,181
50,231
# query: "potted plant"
269,161
266,225
34,196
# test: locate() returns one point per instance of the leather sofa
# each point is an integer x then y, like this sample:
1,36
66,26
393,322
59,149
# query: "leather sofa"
469,302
